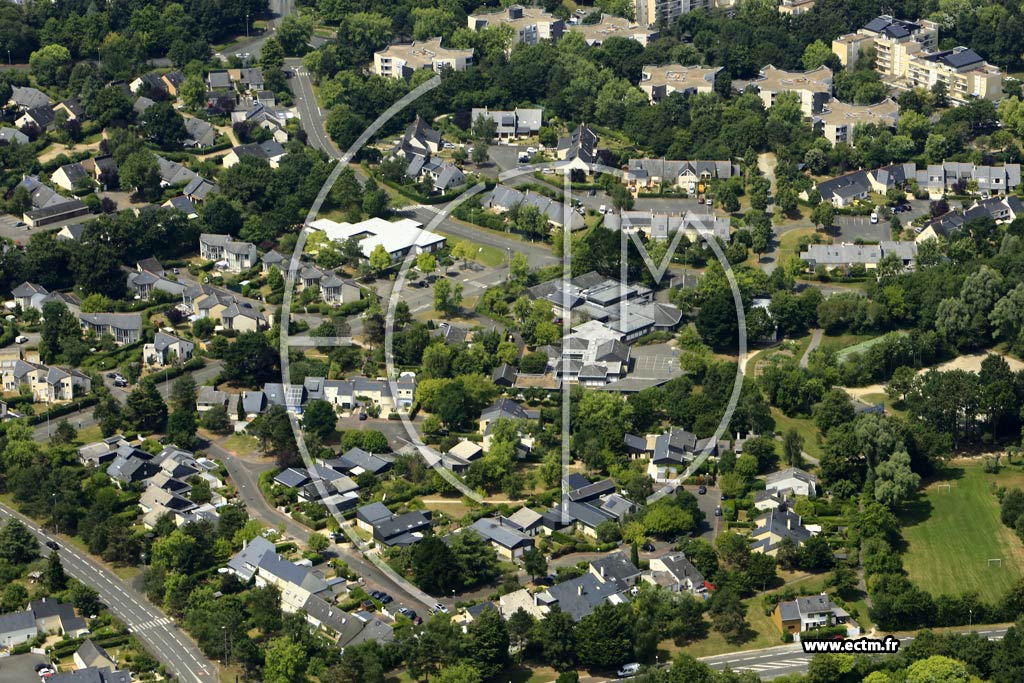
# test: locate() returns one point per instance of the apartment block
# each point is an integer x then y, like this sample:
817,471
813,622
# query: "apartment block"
907,54
838,121
814,88
401,60
661,81
652,12
530,25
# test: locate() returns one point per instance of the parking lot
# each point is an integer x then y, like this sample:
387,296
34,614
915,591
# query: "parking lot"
655,361
20,668
851,228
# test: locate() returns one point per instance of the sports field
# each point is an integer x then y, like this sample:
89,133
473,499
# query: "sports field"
952,536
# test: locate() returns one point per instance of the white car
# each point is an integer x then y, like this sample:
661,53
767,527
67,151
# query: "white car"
602,209
20,339
874,216
531,150
628,670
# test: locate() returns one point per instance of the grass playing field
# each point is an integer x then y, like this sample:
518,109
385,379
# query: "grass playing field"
952,533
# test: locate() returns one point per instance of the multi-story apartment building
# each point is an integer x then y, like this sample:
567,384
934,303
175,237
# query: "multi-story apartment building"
661,81
530,25
907,55
401,60
652,12
838,121
814,88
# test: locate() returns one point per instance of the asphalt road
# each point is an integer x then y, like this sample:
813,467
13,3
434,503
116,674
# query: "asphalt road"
147,623
245,474
788,659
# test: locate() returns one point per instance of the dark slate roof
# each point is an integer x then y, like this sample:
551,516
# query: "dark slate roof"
580,596
400,525
373,513
779,522
504,373
587,514
357,457
48,607
495,531
846,186
246,560
293,478
592,491
16,621
576,481
504,408
91,675
615,567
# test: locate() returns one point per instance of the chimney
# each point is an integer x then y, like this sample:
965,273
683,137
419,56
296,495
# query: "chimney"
601,569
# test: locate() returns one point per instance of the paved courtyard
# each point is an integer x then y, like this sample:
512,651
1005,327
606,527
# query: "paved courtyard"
657,361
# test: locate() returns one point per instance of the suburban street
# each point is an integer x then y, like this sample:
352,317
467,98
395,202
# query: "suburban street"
245,472
146,622
787,659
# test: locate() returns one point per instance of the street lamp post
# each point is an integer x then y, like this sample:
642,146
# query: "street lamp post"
53,511
247,25
971,613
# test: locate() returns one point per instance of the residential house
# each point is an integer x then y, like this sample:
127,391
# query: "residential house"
91,675
248,79
695,177
419,140
355,461
296,582
504,375
674,571
522,599
25,98
769,500
101,452
149,277
578,149
661,81
172,173
337,290
442,175
72,109
662,226
12,136
70,176
91,655
270,151
236,256
838,120
810,612
72,233
529,25
615,568
17,628
460,456
504,409
511,125
795,8
868,255
198,189
29,295
159,501
183,204
906,53
1002,209
172,82
264,116
579,597
775,525
614,27
131,465
842,191
103,170
218,80
148,84
503,199
53,616
41,118
792,480
389,529
272,259
200,133
525,520
401,60
813,88
400,238
208,398
125,328
141,104
47,384
509,542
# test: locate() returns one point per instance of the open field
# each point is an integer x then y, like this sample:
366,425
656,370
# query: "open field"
861,347
952,533
843,341
805,428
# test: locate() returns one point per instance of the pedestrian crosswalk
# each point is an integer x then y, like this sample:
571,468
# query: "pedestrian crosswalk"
152,623
773,665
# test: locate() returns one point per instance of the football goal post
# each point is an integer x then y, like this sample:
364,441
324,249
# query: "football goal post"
995,562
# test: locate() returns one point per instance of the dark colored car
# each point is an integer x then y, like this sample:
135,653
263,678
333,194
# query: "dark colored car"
647,547
111,375
702,489
52,545
718,511
376,595
385,598
723,496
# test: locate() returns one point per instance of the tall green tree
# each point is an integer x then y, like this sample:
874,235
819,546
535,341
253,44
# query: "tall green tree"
145,410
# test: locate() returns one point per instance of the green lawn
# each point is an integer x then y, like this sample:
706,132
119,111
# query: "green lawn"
486,255
805,428
788,243
952,533
844,341
863,346
240,444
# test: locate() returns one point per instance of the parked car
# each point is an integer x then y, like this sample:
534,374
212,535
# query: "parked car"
385,598
702,489
376,595
20,339
718,511
111,375
438,607
52,545
647,547
362,415
874,216
592,193
628,670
